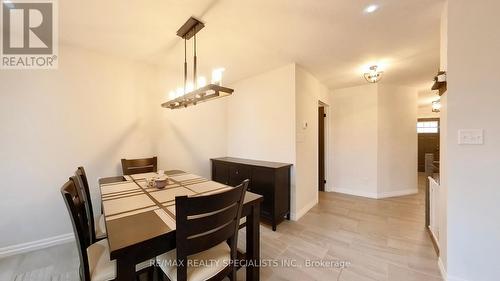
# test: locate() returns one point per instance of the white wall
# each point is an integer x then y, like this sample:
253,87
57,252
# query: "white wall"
354,113
473,170
309,91
397,140
187,138
443,152
426,112
90,112
261,117
261,120
374,140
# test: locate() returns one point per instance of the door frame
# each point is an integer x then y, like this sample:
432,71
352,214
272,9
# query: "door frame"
438,134
328,175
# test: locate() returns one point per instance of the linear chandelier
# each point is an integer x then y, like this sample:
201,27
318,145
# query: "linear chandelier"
195,91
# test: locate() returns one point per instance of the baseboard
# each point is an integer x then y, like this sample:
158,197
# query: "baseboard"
374,195
397,193
297,215
442,269
36,245
355,192
329,189
444,274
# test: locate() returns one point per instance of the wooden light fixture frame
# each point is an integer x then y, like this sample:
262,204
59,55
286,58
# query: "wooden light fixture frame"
209,92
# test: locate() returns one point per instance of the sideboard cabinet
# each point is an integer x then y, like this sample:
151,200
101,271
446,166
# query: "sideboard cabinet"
269,179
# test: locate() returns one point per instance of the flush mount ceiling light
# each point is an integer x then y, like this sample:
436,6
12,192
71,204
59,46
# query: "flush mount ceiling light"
374,75
436,106
370,9
195,91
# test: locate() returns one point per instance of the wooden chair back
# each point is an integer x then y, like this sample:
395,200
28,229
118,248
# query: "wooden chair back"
203,222
81,177
138,166
76,208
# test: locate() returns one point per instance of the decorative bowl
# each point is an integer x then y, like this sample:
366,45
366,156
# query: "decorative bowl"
160,183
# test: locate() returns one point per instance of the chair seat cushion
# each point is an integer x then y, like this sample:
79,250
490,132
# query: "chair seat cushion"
101,267
204,265
100,228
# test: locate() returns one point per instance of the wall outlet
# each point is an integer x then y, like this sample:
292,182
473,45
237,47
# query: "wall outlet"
470,136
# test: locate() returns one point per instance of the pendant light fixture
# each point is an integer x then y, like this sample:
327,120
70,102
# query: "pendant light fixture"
373,76
436,106
197,90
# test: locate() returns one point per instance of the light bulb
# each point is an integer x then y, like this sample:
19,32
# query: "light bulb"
179,92
171,95
189,87
370,9
202,82
217,76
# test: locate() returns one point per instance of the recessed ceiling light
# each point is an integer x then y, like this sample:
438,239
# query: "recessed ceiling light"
371,9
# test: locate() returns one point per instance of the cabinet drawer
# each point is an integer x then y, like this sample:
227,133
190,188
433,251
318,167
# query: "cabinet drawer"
237,174
220,172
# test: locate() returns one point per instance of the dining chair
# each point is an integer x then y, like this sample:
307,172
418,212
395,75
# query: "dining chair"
206,232
138,166
97,227
95,262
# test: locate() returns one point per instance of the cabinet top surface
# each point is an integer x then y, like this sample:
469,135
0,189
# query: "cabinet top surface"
267,164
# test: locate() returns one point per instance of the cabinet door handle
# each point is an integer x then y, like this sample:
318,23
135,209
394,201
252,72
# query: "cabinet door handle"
237,172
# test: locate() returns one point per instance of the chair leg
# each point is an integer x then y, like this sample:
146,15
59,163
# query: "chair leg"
159,274
151,273
232,275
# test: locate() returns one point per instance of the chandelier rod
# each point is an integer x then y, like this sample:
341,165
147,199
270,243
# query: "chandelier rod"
195,82
185,64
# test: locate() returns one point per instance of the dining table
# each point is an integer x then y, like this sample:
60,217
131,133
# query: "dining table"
140,220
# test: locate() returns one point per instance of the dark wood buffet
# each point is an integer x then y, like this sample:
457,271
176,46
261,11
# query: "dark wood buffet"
269,179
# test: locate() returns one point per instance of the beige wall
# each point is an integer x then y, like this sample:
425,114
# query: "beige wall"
374,140
265,121
90,112
426,112
397,141
261,117
354,113
443,152
309,91
187,138
473,174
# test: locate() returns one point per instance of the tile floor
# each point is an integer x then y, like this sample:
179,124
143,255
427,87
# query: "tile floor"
355,238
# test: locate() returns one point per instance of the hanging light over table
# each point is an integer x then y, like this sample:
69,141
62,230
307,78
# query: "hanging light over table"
197,90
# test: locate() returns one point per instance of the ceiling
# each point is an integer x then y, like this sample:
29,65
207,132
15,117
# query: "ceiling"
332,39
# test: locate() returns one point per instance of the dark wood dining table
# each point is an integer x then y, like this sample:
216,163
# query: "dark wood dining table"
140,220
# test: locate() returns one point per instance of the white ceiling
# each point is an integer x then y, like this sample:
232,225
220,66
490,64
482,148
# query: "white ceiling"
332,39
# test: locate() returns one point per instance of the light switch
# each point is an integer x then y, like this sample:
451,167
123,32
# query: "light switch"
470,136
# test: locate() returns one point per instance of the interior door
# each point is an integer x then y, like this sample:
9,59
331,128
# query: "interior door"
427,143
321,148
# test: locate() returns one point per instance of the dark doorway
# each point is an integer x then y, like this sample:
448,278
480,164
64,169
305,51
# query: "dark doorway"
428,140
321,148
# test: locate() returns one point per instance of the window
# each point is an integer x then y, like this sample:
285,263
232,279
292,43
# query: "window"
428,127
